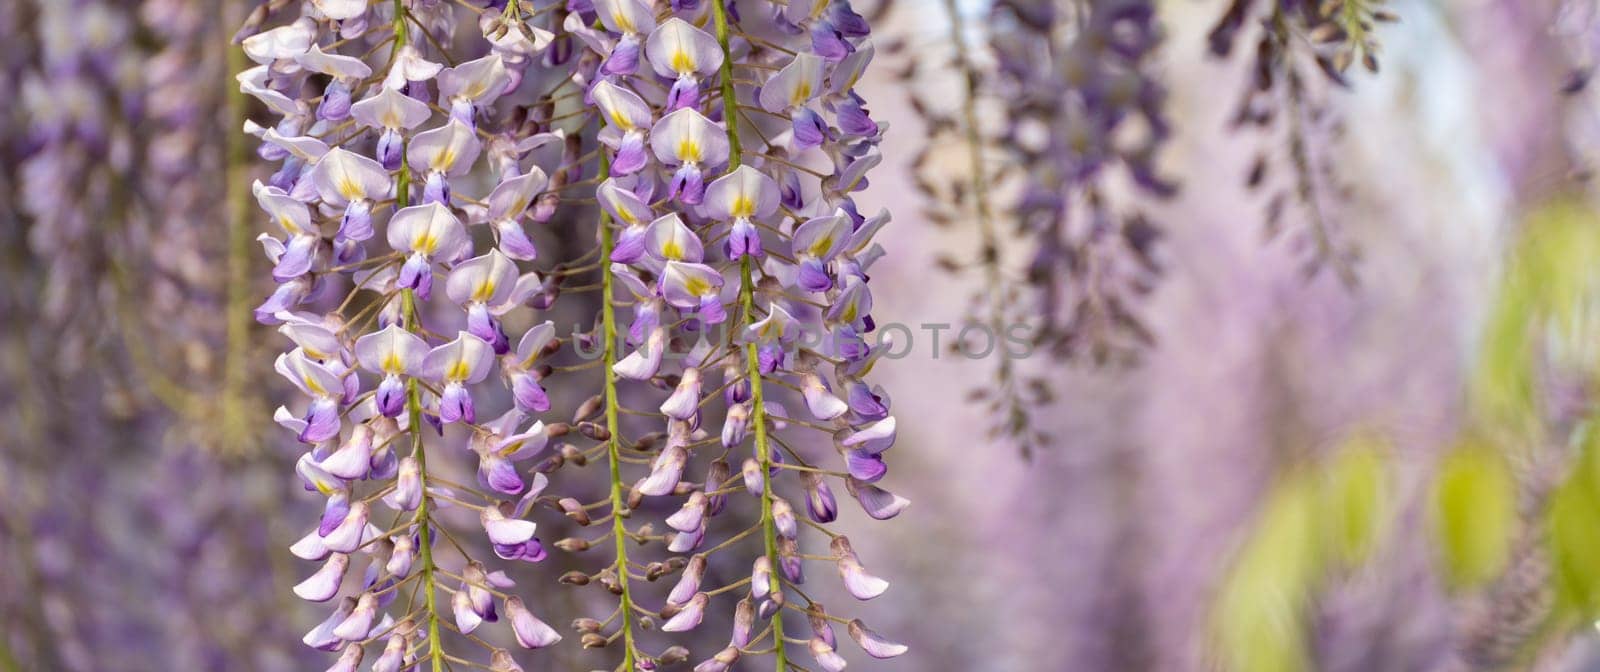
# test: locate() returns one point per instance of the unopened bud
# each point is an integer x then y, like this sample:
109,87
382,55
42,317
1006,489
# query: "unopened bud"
589,408
571,454
574,510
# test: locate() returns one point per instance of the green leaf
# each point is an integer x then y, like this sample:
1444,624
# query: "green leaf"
1258,619
1354,498
1474,510
1545,310
1573,525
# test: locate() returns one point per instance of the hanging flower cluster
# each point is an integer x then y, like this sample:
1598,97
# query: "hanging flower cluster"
419,185
361,144
78,103
1084,102
751,121
1290,109
1082,115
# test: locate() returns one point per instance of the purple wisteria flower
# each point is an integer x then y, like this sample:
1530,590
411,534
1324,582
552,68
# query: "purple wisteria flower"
723,165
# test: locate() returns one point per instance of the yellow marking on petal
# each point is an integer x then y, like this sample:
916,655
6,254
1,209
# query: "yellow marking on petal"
743,207
510,448
483,292
312,385
444,159
683,62
391,363
390,119
323,488
801,93
672,250
349,188
620,121
822,246
849,313
425,242
696,286
459,370
688,150
621,19
288,224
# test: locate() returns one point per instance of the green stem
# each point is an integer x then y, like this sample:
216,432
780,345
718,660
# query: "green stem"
730,104
414,413
608,323
730,119
422,520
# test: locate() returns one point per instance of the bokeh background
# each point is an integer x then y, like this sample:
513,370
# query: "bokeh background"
1298,473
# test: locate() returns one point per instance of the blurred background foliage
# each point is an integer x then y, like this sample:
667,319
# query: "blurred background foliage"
1494,494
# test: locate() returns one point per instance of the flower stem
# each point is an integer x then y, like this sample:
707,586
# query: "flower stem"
422,520
608,322
758,414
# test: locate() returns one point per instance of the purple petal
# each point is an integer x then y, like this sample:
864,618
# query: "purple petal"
358,624
691,615
865,466
685,92
827,659
827,42
711,310
357,222
631,154
630,245
408,485
873,643
324,584
624,58
391,149
296,259
528,394
689,583
346,536
813,276
855,121
820,503
416,274
321,637
499,474
467,620
809,128
531,632
335,102
514,242
744,239
688,185
863,402
334,512
391,396
436,189
455,404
